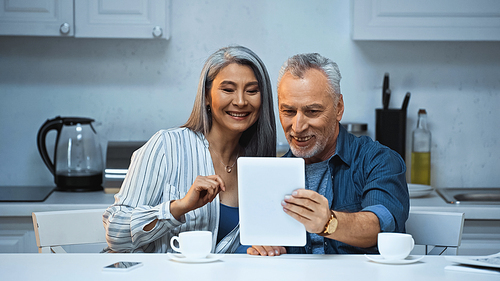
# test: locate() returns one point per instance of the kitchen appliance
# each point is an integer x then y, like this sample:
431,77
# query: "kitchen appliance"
357,129
118,156
78,163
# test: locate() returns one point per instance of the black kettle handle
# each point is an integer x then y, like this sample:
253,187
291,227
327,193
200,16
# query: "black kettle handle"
50,124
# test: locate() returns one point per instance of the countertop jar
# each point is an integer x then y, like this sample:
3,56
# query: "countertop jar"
357,129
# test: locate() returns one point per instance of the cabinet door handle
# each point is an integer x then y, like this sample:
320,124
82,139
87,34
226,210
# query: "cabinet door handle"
65,28
157,31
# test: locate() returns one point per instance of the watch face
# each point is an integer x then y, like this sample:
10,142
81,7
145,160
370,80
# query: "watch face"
330,229
332,226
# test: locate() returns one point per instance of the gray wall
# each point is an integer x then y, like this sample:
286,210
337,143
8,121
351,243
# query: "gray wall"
135,87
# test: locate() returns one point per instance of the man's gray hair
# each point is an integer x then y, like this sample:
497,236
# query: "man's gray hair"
299,64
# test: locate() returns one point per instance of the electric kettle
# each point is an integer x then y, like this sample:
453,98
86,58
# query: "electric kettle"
78,163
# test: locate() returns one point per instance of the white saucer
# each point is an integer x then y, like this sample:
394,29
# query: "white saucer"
380,259
181,258
419,190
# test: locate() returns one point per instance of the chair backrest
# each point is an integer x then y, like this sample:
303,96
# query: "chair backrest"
443,230
59,228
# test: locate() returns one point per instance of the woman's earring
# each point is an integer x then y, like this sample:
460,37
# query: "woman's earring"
208,108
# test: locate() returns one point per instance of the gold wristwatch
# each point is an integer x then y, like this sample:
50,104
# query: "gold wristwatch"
331,225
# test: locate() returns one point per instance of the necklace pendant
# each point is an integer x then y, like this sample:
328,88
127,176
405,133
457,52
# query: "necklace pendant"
229,169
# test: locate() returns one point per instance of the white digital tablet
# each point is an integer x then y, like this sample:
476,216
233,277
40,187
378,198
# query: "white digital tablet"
263,183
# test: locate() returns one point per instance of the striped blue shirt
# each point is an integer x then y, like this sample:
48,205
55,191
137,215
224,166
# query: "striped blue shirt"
161,171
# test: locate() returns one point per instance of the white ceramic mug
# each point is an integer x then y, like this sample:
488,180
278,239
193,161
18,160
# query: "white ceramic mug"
395,246
193,244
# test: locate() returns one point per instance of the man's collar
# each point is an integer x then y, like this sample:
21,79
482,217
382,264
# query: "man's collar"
342,147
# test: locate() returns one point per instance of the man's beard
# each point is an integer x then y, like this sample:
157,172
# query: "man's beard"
317,148
306,152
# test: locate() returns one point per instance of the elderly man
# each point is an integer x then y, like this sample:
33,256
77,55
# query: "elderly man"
355,187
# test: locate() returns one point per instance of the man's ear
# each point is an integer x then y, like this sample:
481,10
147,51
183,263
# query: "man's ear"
340,108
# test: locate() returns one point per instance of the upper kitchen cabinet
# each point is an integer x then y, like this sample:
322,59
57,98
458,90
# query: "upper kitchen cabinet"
121,18
36,18
140,19
444,20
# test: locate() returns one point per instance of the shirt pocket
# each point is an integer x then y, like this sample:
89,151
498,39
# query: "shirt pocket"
171,192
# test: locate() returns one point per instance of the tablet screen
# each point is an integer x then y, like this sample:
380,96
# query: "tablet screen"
263,183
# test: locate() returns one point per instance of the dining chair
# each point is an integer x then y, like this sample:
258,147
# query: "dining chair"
440,232
60,228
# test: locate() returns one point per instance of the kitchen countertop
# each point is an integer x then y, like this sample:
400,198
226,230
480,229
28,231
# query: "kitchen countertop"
434,202
58,201
99,200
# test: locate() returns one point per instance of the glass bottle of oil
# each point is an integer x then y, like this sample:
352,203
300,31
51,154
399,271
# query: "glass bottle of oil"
421,151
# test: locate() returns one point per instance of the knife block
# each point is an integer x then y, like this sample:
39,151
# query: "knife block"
390,129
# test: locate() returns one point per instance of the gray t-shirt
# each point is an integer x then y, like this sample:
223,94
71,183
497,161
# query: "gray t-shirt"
317,177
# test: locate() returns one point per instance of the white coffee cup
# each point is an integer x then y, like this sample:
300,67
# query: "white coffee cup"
193,244
395,246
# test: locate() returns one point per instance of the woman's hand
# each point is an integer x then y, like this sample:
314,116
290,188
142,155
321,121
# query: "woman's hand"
203,190
266,250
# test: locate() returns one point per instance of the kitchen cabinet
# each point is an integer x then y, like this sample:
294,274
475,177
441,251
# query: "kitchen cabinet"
480,237
481,232
444,20
140,19
121,19
17,234
36,18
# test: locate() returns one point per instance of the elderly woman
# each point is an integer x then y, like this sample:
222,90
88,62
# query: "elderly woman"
185,178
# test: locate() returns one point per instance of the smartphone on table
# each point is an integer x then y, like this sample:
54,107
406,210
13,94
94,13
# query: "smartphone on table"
122,266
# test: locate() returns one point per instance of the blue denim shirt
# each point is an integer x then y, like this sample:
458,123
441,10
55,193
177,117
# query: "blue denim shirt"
365,176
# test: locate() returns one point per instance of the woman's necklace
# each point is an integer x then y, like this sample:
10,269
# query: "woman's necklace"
227,167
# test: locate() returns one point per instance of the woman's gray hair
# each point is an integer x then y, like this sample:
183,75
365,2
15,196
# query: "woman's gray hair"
299,64
260,138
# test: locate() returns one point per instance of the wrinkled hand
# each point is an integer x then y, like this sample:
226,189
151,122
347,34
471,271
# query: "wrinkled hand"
308,207
203,191
266,250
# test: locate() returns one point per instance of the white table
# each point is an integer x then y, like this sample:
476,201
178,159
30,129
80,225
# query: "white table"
230,267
